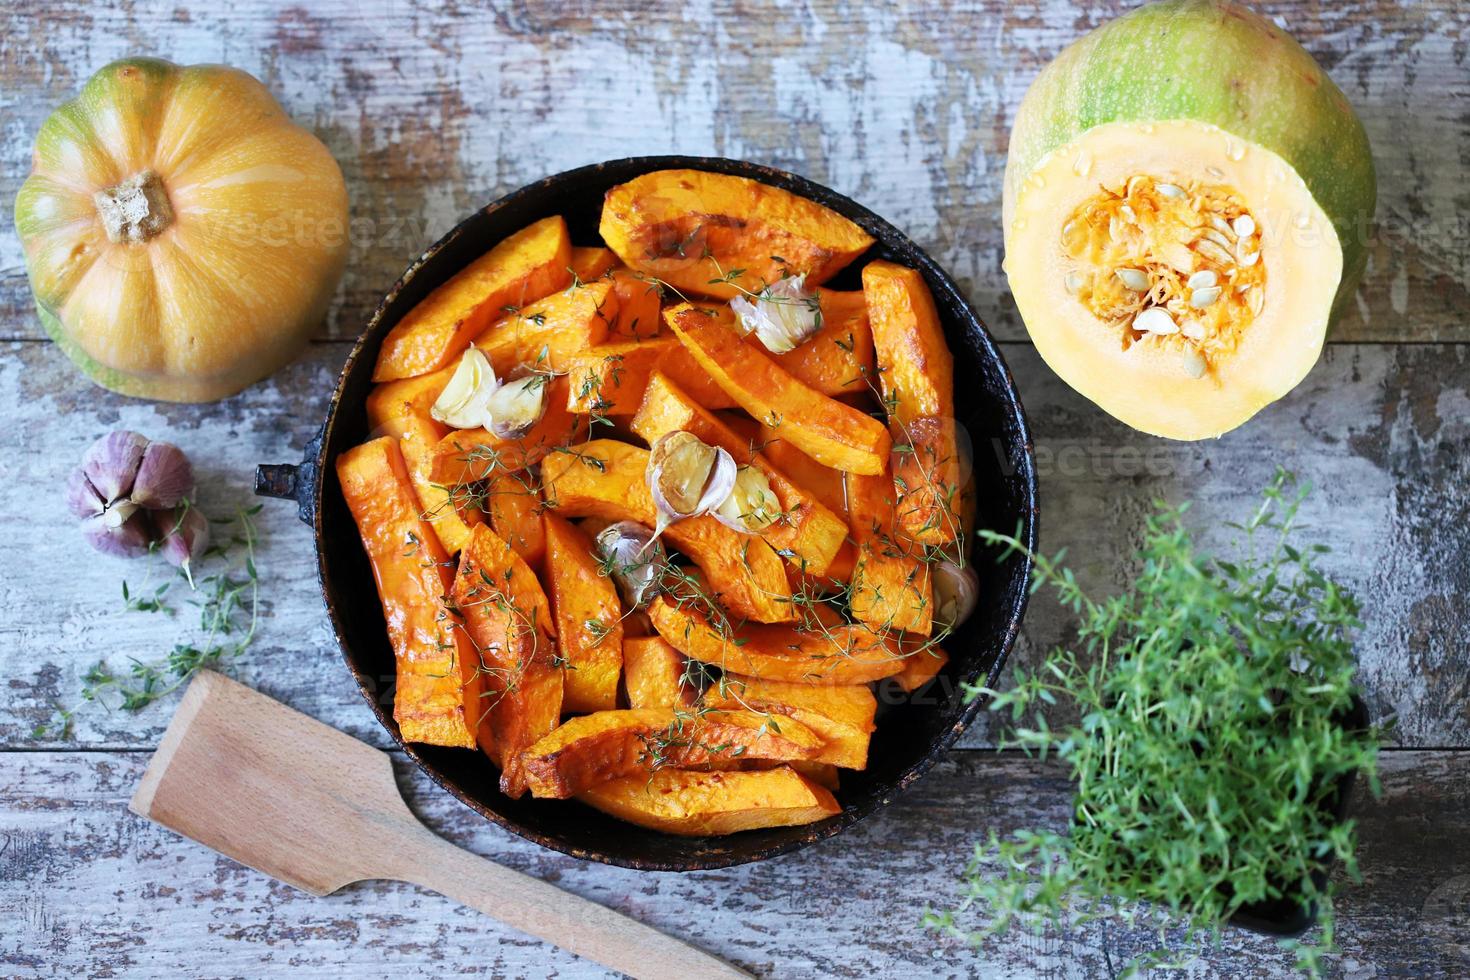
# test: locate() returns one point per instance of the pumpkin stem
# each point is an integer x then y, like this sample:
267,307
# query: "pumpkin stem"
136,209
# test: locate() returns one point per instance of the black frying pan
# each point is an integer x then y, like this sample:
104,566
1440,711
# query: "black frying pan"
913,732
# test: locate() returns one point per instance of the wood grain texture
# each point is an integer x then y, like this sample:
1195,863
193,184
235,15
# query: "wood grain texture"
1383,432
435,110
86,887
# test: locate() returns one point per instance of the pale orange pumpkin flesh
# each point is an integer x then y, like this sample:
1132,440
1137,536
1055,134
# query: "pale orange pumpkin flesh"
183,235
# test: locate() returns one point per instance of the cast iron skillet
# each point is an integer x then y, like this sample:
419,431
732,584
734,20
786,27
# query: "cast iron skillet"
913,733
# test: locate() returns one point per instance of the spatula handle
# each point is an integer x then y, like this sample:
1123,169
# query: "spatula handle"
546,912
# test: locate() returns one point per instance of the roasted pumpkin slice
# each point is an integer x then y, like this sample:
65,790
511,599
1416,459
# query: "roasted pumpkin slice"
890,582
411,398
711,804
715,234
447,511
639,300
610,379
838,654
931,473
469,455
512,503
607,479
605,745
506,615
589,630
520,270
822,482
655,675
920,668
437,696
544,335
803,528
842,714
838,358
591,262
830,432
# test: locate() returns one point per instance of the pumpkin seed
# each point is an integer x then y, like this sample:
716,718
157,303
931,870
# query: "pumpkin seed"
1215,172
1074,282
1155,320
1212,251
1128,214
1195,364
1223,227
1170,190
1257,301
1212,235
1245,226
1246,259
1192,329
1203,279
1201,298
1134,279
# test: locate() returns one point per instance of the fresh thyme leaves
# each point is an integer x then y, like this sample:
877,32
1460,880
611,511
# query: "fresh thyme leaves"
228,600
1213,698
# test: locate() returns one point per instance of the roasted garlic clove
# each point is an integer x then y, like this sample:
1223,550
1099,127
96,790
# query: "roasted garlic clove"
633,559
751,506
781,316
463,402
956,593
517,405
687,477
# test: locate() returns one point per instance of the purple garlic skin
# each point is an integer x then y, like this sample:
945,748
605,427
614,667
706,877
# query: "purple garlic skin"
185,535
127,493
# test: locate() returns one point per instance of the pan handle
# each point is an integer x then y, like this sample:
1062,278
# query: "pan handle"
293,481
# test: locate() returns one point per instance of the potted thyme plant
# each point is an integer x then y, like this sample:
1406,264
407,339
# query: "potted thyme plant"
1219,732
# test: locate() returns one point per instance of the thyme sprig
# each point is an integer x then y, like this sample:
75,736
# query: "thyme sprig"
228,601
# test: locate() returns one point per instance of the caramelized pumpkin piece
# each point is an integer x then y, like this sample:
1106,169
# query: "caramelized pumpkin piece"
920,668
525,267
592,749
830,432
713,234
890,583
710,804
842,714
513,505
544,335
589,631
655,674
468,455
592,262
929,476
822,482
606,479
437,696
390,403
507,616
836,654
610,379
447,513
639,302
838,358
806,529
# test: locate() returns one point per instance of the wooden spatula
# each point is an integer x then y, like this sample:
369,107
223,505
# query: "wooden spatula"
316,808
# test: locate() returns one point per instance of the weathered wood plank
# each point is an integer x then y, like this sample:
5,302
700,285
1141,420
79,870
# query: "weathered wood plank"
87,888
434,110
1384,432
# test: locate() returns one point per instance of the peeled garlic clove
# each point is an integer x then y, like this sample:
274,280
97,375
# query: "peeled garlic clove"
165,477
751,505
516,406
82,499
782,316
185,535
633,559
129,539
462,403
687,477
956,593
111,464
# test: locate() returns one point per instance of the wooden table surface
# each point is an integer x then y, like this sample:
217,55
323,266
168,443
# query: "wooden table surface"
433,112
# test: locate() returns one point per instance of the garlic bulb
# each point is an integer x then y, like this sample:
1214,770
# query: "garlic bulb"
687,477
956,593
633,559
751,506
123,482
782,316
463,402
516,406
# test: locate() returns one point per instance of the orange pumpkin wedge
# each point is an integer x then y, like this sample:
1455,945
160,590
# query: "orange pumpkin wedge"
437,696
639,301
513,505
929,475
920,668
607,479
525,267
390,403
830,432
506,614
839,654
842,714
610,379
545,334
711,804
468,455
806,530
606,745
589,631
713,234
439,505
890,582
591,262
838,358
655,674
